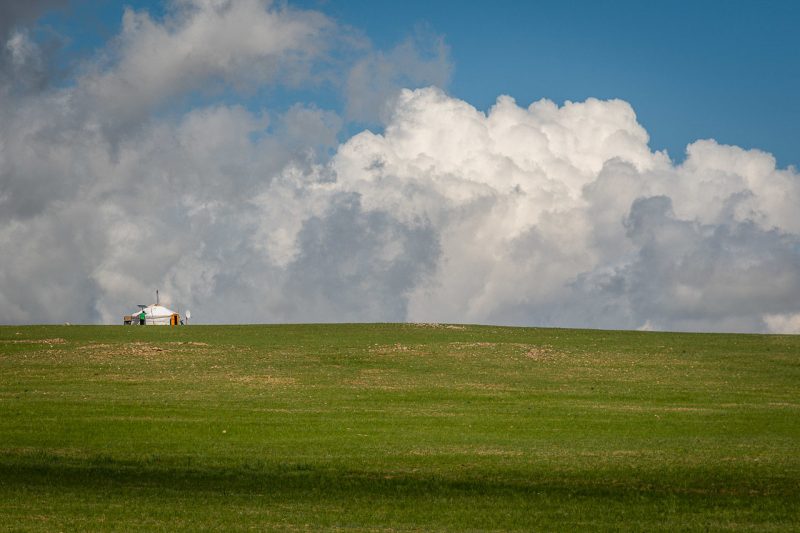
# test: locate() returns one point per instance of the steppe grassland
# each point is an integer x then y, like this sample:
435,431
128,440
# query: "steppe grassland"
396,427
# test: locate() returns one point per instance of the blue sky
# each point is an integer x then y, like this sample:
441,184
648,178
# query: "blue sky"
692,70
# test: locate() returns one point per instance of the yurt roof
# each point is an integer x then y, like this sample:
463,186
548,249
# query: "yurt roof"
154,311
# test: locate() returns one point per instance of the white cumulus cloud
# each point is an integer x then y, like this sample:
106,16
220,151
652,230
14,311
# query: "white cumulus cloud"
564,216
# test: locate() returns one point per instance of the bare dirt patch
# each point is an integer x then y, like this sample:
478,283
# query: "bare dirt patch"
475,344
189,343
540,353
56,340
529,351
482,451
263,380
469,349
97,346
655,408
393,349
488,386
400,350
131,349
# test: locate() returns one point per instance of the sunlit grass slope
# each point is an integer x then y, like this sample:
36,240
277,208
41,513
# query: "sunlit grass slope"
396,428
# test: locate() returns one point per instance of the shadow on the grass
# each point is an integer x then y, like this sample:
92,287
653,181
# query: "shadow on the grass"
329,482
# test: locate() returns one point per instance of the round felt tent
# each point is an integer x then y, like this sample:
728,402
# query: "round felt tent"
154,315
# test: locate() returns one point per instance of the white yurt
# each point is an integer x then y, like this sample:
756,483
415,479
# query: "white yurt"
154,315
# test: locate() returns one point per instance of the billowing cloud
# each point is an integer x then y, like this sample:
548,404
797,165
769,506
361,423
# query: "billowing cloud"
202,45
540,215
564,216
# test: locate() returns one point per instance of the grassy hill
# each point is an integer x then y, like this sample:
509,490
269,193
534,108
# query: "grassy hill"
396,428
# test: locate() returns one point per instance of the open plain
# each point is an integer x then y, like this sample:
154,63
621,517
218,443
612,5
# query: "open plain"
396,427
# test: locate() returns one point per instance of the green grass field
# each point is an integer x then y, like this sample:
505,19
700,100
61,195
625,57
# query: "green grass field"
396,428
